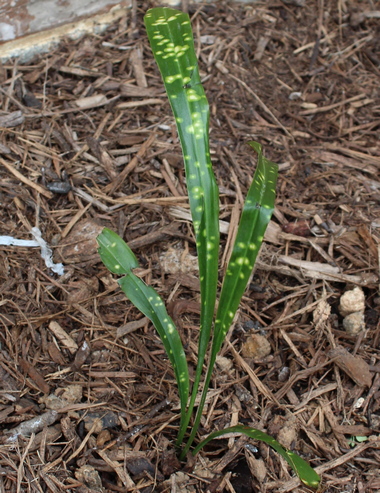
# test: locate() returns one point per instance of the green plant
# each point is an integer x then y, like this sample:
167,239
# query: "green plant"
355,440
171,39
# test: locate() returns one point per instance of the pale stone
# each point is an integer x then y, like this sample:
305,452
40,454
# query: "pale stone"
256,347
352,301
354,323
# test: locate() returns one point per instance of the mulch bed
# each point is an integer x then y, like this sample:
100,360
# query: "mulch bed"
88,400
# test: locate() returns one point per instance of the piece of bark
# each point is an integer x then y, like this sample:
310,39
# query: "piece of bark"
60,333
33,425
12,119
354,366
35,375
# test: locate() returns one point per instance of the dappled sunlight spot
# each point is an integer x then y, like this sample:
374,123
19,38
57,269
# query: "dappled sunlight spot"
117,266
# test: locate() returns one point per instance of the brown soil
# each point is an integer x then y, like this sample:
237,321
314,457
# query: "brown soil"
82,371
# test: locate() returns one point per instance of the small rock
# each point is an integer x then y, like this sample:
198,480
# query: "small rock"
352,301
224,363
354,323
63,396
98,421
256,347
72,393
177,260
89,476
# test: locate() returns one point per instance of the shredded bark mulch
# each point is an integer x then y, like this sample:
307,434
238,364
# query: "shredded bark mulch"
88,401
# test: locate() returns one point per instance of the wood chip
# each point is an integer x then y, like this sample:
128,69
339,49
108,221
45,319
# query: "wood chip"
63,337
354,366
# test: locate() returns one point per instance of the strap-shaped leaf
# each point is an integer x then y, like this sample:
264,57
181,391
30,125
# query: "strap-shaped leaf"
119,259
255,217
171,39
257,211
305,472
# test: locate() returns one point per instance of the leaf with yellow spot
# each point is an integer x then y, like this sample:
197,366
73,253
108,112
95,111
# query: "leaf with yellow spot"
170,33
253,223
115,252
306,473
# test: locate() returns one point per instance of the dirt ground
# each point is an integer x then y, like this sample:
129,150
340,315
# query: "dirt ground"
88,401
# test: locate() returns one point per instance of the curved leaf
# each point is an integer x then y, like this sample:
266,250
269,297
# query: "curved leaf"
305,472
119,259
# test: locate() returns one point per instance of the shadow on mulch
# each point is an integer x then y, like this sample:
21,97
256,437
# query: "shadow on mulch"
88,401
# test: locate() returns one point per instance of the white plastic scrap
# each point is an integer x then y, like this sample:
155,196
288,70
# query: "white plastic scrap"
295,95
46,253
38,241
10,241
